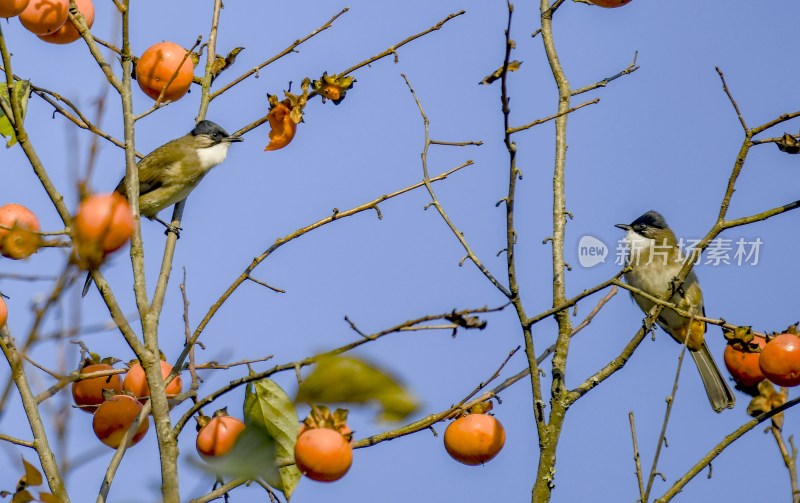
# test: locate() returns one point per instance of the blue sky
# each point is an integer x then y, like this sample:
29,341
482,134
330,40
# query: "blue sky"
662,138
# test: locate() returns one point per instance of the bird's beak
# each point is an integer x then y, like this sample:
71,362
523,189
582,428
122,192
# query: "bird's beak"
234,138
624,227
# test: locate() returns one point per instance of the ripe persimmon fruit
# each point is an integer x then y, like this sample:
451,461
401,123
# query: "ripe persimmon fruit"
43,17
218,436
11,8
104,221
158,64
136,383
88,393
113,418
323,454
609,4
19,232
474,439
780,360
3,312
68,33
743,365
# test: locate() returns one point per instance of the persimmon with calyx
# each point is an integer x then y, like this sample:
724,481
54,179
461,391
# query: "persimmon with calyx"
333,87
780,358
742,355
19,232
324,450
3,312
88,393
43,17
217,435
609,4
11,8
474,439
102,224
114,417
68,32
136,383
157,66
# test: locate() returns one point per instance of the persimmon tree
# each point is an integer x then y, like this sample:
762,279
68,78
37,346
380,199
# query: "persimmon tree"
250,407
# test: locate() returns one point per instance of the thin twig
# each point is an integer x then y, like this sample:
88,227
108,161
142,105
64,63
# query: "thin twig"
313,359
551,117
730,97
265,285
17,441
603,83
437,204
294,235
721,446
670,401
188,334
431,419
491,378
789,460
220,491
636,459
225,366
290,49
393,49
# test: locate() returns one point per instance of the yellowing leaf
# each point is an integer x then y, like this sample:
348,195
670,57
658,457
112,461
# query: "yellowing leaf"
513,66
269,408
49,498
32,476
340,379
22,497
21,90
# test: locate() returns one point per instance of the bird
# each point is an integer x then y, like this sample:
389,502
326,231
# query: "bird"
169,173
654,260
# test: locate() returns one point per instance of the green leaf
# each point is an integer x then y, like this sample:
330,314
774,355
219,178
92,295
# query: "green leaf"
32,476
22,90
252,457
340,379
270,408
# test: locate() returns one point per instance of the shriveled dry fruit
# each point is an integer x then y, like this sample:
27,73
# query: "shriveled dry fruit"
333,87
767,399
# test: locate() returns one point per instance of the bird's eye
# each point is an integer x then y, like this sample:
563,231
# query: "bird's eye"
640,227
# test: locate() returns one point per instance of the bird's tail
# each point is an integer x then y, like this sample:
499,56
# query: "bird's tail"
87,284
718,391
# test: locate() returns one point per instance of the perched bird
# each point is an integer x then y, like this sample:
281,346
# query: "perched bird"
170,172
655,259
